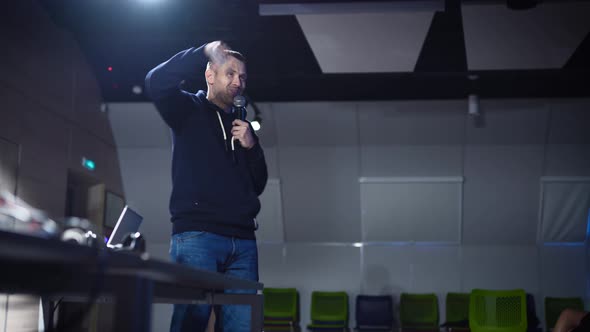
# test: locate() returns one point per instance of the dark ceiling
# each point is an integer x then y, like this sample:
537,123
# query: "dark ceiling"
133,36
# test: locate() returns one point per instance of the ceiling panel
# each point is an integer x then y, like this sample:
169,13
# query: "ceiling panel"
544,37
366,42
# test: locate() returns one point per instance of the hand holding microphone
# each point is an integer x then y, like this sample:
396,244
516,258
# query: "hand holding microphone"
241,129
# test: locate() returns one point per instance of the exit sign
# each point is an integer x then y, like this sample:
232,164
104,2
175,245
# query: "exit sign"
89,164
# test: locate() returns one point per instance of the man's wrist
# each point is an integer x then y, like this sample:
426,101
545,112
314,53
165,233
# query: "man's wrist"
251,146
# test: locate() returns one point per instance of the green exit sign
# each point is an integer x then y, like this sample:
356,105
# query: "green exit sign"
89,164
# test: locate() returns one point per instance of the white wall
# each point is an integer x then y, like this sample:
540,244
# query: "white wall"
313,211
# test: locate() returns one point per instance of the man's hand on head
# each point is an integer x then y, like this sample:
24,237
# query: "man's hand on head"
215,51
241,131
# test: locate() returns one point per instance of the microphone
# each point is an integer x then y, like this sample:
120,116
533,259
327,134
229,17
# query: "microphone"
239,111
240,107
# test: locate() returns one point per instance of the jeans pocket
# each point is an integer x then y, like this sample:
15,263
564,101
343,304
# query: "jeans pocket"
185,236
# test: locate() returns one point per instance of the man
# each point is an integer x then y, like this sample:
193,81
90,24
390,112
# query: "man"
218,172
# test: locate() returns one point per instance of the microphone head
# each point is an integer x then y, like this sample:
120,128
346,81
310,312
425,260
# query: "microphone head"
239,101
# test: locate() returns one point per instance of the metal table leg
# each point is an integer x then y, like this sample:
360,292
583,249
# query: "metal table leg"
133,305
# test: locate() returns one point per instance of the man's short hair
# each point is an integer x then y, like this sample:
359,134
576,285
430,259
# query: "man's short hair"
231,53
236,55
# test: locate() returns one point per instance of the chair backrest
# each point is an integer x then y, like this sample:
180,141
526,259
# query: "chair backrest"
418,310
374,311
555,305
498,310
281,304
457,308
329,307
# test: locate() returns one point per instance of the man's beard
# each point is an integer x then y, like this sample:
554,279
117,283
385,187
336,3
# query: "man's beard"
227,97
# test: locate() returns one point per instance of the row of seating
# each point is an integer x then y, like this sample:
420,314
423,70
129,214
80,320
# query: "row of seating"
481,311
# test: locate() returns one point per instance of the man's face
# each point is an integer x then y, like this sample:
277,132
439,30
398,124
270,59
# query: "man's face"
229,80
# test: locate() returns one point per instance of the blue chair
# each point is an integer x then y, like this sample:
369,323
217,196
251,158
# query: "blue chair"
374,313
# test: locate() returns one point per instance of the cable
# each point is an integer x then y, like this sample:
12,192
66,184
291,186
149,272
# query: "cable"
55,306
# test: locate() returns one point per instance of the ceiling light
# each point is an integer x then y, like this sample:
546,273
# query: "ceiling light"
350,7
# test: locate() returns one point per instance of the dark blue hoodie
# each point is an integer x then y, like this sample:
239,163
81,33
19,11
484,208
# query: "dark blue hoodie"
214,189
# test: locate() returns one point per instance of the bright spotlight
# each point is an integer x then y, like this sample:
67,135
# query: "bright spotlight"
255,125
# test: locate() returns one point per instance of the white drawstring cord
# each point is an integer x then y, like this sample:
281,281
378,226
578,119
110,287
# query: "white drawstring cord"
222,127
223,131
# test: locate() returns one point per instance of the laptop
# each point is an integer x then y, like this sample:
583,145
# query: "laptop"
129,222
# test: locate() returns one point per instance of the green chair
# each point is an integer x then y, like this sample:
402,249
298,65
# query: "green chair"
555,305
329,311
418,312
281,309
497,310
457,312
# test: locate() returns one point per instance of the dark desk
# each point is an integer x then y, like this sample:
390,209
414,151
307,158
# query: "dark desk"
52,268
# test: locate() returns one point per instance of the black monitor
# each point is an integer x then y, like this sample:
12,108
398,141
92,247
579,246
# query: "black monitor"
129,222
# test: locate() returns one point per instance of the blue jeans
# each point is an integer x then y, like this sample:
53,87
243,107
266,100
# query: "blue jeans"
231,256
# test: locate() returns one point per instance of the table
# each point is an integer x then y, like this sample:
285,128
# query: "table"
52,268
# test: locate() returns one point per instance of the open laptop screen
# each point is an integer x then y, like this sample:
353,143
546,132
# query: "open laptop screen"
128,222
